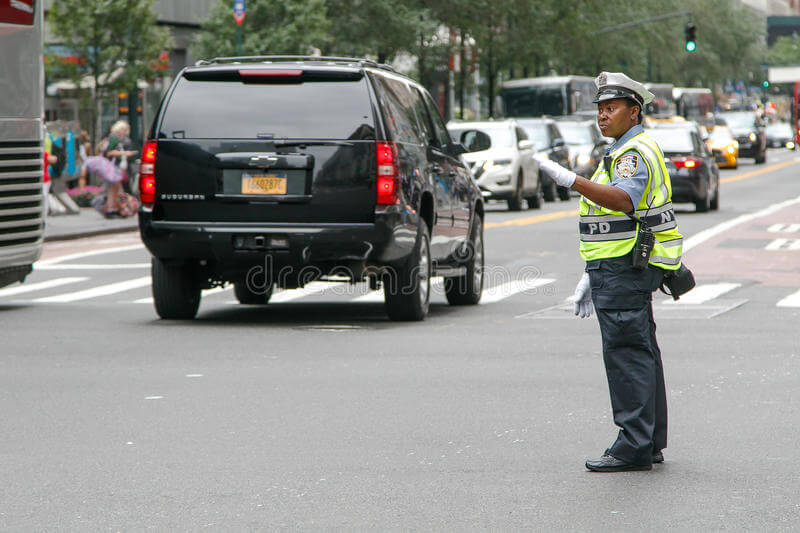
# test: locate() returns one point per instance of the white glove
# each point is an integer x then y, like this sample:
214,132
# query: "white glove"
583,306
560,175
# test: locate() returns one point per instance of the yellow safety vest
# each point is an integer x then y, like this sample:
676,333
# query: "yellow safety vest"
605,233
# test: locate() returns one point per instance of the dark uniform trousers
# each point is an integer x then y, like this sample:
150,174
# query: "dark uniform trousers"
622,299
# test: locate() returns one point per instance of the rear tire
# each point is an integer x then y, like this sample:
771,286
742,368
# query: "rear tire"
467,289
515,202
176,291
704,204
762,158
548,188
715,200
536,201
407,289
249,297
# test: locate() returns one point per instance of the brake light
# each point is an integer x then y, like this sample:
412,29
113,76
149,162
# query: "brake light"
147,174
260,73
387,173
685,162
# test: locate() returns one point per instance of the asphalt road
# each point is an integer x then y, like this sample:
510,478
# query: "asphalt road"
316,412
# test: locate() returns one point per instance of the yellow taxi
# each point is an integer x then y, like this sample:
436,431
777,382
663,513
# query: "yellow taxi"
724,147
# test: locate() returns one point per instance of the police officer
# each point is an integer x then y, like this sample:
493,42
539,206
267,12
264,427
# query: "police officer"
630,191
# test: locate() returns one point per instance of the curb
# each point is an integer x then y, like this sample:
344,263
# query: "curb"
89,233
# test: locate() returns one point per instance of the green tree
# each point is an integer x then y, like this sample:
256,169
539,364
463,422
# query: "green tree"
377,28
785,52
272,27
117,41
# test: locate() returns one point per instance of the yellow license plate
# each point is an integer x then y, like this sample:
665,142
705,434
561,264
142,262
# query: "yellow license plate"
263,184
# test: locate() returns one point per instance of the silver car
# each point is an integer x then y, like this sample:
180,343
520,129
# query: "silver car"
500,155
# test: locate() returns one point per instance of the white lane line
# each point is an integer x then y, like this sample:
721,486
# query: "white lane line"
30,287
92,267
775,228
783,245
703,293
501,292
90,253
102,290
793,300
207,292
713,231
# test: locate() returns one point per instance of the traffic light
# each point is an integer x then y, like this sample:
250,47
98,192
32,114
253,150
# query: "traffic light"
765,84
689,32
122,103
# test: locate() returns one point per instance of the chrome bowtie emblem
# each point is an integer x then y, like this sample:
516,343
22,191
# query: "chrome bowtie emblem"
263,161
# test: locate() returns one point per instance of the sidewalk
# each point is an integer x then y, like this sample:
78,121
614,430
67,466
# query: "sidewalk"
89,222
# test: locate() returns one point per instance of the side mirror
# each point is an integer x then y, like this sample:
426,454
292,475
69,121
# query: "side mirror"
525,144
557,143
456,149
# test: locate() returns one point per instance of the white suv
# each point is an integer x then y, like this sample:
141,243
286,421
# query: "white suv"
500,155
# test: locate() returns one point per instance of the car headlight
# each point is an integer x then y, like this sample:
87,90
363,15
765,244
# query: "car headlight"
731,149
496,163
753,137
585,159
736,144
790,145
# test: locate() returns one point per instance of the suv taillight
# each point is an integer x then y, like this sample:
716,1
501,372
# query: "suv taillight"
387,173
147,174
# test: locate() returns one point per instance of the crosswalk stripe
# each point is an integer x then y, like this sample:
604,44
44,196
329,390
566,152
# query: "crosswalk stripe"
30,287
103,290
207,292
293,294
703,293
377,296
793,300
93,267
501,292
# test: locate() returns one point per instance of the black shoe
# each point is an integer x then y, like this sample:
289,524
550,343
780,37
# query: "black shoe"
658,457
609,463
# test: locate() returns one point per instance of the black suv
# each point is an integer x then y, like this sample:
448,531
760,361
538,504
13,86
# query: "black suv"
278,171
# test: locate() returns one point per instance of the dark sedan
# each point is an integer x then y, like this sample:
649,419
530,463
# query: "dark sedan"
692,171
585,142
780,135
748,128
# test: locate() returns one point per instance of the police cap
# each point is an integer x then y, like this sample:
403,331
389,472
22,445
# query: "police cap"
612,85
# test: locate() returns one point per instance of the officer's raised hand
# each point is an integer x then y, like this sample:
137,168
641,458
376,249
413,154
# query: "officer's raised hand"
582,304
562,176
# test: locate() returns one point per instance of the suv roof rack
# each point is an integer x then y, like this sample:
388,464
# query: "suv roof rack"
360,61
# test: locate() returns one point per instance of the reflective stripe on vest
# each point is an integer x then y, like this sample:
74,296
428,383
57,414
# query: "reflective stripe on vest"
605,233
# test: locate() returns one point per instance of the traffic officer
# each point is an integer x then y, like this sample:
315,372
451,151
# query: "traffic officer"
629,191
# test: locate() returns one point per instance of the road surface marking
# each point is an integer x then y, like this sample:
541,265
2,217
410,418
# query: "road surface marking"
783,245
501,292
533,220
703,293
793,300
103,290
377,296
713,231
90,253
293,294
207,292
92,267
30,287
784,228
754,173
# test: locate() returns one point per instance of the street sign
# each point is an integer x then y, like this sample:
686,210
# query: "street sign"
239,11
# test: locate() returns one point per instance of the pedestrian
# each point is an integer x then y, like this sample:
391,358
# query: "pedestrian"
84,152
619,278
118,151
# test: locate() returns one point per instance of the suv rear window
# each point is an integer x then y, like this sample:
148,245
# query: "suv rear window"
234,110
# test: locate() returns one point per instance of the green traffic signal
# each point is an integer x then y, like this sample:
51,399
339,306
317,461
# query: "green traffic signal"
765,84
691,41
